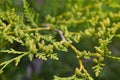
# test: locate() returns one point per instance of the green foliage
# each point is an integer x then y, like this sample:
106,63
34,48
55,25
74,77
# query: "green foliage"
98,68
30,14
54,32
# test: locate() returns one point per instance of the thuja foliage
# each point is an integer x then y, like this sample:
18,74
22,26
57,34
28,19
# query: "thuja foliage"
60,29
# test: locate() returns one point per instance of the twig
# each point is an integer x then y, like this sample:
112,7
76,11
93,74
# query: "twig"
61,34
81,66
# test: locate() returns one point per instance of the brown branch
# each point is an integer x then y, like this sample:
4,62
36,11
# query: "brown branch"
61,34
